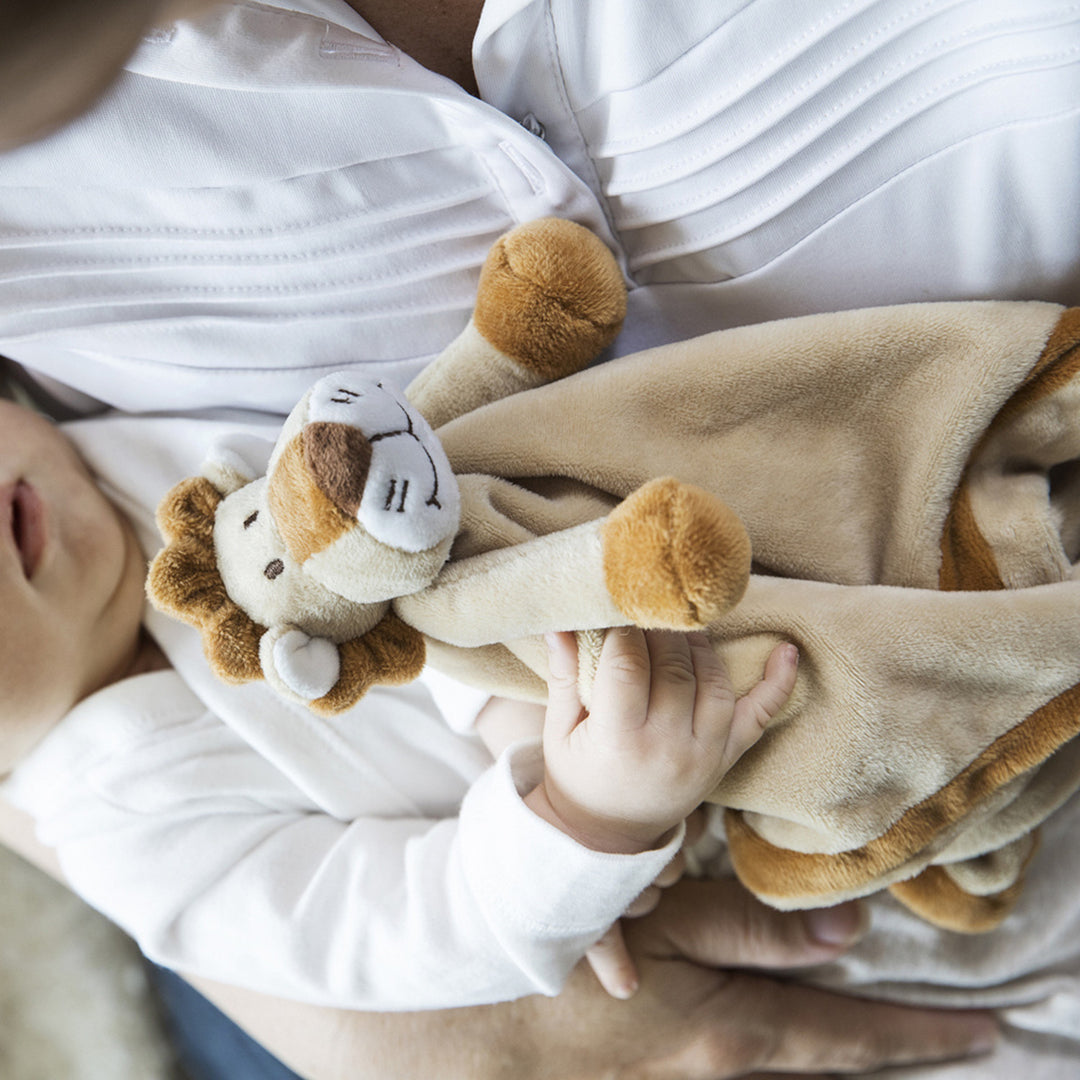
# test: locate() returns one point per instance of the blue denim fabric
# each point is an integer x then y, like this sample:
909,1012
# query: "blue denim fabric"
208,1044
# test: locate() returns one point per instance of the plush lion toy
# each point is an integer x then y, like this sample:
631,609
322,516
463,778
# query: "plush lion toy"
329,573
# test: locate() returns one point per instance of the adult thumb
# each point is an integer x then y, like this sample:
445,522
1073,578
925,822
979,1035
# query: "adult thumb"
720,924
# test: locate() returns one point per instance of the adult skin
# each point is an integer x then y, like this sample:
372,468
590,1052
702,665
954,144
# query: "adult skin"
694,1017
701,1012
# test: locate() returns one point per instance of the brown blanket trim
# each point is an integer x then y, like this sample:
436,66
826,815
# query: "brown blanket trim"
1057,365
802,877
936,897
967,562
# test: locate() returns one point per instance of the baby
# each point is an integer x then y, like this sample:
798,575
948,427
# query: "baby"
376,860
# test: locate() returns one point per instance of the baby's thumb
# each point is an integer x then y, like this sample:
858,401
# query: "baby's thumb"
564,707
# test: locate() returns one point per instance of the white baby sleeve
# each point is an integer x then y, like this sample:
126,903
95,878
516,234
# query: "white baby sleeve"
218,865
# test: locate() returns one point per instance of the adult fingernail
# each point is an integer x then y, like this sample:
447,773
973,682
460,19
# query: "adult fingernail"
842,925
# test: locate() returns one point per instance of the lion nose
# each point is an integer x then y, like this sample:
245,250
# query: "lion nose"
339,459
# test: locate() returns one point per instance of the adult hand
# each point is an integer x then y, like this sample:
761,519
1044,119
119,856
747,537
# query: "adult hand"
609,957
699,1015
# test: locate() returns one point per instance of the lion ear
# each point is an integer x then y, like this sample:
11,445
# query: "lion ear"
236,459
187,511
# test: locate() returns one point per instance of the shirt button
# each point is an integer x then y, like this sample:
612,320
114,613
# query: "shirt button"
532,125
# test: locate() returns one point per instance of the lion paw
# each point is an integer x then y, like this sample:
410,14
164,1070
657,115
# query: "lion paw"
675,557
551,296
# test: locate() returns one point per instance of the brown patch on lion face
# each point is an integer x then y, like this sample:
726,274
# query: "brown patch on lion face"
339,457
307,519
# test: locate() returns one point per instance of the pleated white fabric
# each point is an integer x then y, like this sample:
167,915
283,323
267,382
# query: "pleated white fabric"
275,191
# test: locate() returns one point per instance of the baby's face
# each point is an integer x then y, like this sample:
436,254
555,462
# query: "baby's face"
71,582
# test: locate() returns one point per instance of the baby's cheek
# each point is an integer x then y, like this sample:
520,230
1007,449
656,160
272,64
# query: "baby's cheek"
38,681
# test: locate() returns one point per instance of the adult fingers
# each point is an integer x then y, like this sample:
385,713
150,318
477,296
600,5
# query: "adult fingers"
791,1076
720,924
564,709
788,1027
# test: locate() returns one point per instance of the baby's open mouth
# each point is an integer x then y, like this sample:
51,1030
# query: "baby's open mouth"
28,526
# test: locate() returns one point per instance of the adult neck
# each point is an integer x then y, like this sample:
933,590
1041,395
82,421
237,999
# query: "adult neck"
436,33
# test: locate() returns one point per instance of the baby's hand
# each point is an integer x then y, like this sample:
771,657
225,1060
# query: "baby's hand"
664,728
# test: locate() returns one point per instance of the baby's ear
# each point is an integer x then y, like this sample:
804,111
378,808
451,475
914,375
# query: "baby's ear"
236,459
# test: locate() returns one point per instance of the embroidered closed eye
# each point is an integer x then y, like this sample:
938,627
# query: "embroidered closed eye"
250,519
273,568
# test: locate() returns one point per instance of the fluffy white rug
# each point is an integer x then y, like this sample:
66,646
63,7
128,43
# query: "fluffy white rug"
74,1002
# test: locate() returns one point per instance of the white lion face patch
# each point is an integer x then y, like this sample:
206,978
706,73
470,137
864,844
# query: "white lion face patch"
410,500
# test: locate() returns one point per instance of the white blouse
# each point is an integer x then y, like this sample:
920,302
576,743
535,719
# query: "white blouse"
275,191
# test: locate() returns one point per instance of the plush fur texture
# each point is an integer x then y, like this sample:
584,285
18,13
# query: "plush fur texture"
185,579
332,528
578,313
684,529
909,480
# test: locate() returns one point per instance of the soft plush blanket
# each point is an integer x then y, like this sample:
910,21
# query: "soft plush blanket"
910,480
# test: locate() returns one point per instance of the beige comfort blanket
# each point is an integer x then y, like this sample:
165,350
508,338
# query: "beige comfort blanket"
910,480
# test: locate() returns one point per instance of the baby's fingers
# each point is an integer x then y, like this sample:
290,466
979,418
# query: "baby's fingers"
755,709
612,964
564,710
620,696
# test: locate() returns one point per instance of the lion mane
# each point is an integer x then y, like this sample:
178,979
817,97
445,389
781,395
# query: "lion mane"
184,581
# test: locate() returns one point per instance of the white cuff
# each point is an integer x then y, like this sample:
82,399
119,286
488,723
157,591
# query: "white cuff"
545,896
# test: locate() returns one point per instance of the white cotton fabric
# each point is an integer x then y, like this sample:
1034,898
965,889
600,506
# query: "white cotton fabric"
375,860
312,199
309,197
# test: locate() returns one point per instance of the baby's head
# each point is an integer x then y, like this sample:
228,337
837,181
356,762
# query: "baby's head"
71,582
58,56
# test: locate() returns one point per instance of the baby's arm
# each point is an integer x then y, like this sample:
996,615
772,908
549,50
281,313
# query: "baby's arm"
217,860
664,728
